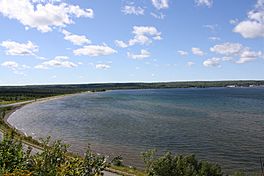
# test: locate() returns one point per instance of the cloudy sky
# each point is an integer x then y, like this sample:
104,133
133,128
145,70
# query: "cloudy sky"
88,41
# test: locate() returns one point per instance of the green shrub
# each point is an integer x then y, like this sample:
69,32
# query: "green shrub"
117,161
168,165
12,155
54,160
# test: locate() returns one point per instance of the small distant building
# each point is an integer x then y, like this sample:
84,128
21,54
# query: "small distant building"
231,86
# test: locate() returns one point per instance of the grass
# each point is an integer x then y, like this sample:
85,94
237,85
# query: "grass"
7,102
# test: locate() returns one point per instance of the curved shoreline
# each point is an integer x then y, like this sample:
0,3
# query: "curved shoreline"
17,106
108,170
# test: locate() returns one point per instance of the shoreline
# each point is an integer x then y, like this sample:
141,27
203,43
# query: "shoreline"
108,170
19,105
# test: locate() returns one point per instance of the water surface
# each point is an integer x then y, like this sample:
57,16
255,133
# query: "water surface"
224,125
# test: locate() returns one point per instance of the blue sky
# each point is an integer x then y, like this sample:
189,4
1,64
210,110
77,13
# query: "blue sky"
90,41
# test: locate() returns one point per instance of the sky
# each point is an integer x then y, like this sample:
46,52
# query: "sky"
99,41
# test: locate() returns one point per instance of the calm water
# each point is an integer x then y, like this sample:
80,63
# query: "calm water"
224,125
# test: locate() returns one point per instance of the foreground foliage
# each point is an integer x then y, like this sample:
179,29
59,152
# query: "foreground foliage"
54,160
179,165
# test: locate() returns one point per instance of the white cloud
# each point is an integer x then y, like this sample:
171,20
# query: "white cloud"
121,44
182,53
207,3
190,64
42,16
197,51
15,67
142,55
250,29
211,27
145,30
236,50
10,64
253,26
58,61
233,21
160,15
132,10
247,56
102,66
75,39
227,48
19,49
144,35
94,50
213,62
160,4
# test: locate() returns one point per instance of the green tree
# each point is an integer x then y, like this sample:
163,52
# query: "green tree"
168,165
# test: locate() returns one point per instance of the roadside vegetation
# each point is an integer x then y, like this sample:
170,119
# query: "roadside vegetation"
53,160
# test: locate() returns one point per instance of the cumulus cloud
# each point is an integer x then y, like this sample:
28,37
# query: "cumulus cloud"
236,50
42,16
143,35
160,4
15,67
102,66
213,62
121,44
94,50
227,48
207,3
247,56
142,55
132,10
250,29
197,51
253,26
182,53
19,49
58,61
75,39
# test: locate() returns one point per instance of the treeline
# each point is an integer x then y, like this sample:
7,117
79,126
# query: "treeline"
21,93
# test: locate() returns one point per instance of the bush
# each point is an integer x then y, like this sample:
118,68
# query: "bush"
12,155
54,160
117,161
168,165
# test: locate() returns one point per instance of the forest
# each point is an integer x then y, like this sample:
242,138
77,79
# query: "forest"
9,94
